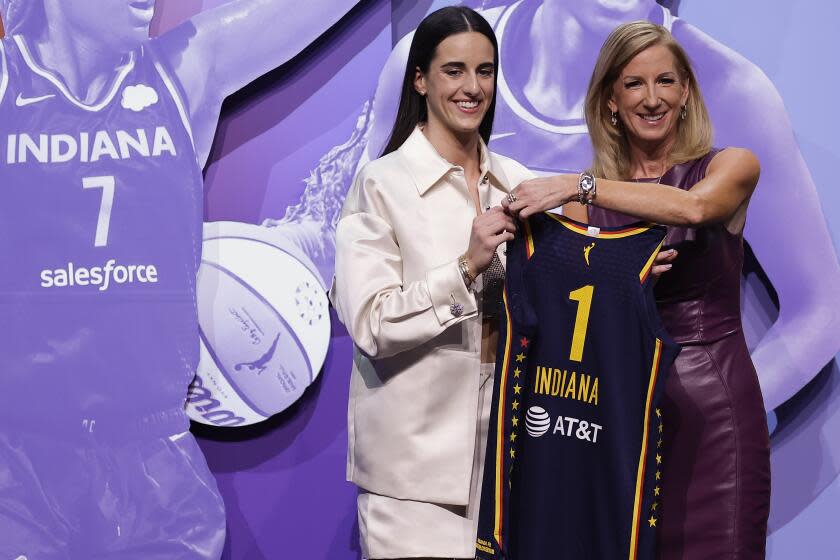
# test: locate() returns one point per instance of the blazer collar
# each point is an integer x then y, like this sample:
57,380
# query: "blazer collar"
427,167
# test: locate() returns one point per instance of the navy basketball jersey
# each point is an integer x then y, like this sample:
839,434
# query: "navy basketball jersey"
573,458
100,239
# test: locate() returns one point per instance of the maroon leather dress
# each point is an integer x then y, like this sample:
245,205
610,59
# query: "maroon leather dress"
715,490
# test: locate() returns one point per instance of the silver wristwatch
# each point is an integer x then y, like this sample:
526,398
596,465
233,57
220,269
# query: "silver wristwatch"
586,187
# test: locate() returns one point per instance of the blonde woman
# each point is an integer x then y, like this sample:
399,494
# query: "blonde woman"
654,160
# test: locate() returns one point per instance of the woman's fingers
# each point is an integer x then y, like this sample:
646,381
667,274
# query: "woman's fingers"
663,261
665,257
527,195
502,238
536,195
496,220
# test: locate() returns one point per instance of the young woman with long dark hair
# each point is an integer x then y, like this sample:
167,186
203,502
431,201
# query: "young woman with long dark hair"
417,283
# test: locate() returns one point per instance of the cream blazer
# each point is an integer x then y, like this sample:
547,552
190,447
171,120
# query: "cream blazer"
415,380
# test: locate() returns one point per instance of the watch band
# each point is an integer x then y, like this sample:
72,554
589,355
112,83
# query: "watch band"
587,188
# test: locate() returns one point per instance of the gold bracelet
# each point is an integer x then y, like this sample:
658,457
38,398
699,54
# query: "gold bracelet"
464,267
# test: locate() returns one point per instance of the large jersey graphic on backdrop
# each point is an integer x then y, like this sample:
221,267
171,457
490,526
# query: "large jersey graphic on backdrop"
105,134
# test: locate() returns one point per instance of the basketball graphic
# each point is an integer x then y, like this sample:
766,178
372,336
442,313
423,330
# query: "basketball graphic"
264,325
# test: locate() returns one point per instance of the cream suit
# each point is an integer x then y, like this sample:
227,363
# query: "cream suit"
414,393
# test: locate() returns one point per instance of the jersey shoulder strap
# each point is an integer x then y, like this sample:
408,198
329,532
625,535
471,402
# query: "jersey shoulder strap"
173,86
4,70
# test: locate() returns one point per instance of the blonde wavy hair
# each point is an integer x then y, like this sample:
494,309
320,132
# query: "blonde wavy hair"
609,143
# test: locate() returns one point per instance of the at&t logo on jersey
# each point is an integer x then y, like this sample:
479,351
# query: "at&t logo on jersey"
538,424
103,277
537,421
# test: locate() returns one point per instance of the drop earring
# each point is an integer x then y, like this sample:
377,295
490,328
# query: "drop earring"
614,118
683,113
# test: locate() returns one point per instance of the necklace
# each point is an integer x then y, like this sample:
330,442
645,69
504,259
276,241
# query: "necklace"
648,179
651,179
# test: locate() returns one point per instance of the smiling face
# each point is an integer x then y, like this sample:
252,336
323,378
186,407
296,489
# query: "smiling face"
648,97
459,83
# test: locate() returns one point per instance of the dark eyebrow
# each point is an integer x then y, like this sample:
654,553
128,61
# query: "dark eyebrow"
462,66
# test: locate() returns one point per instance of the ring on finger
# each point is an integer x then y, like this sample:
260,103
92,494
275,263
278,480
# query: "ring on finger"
511,197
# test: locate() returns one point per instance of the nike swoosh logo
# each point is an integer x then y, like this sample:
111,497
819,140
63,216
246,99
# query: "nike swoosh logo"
22,101
500,136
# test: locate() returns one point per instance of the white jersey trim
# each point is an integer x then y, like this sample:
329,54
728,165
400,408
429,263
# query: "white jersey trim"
176,97
49,76
507,94
4,71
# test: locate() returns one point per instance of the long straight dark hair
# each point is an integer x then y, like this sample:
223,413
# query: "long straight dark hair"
434,28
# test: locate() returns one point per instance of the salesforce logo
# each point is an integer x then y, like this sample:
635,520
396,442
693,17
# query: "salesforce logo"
102,277
537,421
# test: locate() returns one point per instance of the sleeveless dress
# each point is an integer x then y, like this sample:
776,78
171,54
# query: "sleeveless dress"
715,494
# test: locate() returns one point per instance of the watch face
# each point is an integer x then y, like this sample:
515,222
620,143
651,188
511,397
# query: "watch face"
587,182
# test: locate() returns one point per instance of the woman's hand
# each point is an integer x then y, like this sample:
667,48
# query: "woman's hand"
663,262
545,193
538,195
489,230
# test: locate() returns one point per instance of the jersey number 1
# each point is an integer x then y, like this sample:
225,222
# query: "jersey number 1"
103,223
584,298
